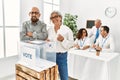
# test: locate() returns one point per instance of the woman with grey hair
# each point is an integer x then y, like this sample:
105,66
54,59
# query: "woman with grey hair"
63,37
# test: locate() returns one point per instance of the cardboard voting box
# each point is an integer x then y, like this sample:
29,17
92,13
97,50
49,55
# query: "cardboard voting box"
38,71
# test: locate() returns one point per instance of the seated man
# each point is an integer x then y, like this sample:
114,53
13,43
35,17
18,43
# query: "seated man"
34,29
105,41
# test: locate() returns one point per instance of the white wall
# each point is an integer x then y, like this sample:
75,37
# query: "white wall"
26,6
93,9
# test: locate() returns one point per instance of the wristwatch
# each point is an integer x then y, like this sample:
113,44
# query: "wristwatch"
110,12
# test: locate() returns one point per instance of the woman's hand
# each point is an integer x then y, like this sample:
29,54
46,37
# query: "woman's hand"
60,38
76,46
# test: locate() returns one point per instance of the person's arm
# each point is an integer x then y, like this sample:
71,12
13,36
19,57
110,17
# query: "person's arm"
96,45
23,32
42,34
68,41
50,34
91,32
75,45
87,44
85,47
112,47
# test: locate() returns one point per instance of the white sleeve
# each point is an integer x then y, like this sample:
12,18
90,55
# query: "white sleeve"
91,32
88,42
50,35
68,40
112,47
76,41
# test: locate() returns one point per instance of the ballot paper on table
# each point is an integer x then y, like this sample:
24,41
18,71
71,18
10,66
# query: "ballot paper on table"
37,42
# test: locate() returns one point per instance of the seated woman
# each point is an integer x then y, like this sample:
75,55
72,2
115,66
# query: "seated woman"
82,41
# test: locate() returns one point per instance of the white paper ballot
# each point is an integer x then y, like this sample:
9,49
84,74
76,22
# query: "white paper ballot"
37,42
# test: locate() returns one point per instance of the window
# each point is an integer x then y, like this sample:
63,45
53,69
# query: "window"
1,13
9,27
1,31
49,6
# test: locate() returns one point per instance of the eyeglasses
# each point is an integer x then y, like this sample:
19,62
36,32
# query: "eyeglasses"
34,12
54,17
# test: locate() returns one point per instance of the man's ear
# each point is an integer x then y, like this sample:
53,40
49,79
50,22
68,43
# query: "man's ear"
39,15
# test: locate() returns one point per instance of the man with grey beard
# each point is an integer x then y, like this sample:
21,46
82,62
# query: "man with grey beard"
33,29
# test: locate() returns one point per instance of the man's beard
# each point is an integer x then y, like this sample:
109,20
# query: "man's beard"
34,19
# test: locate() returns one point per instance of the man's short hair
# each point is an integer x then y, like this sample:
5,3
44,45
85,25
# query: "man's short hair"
106,28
